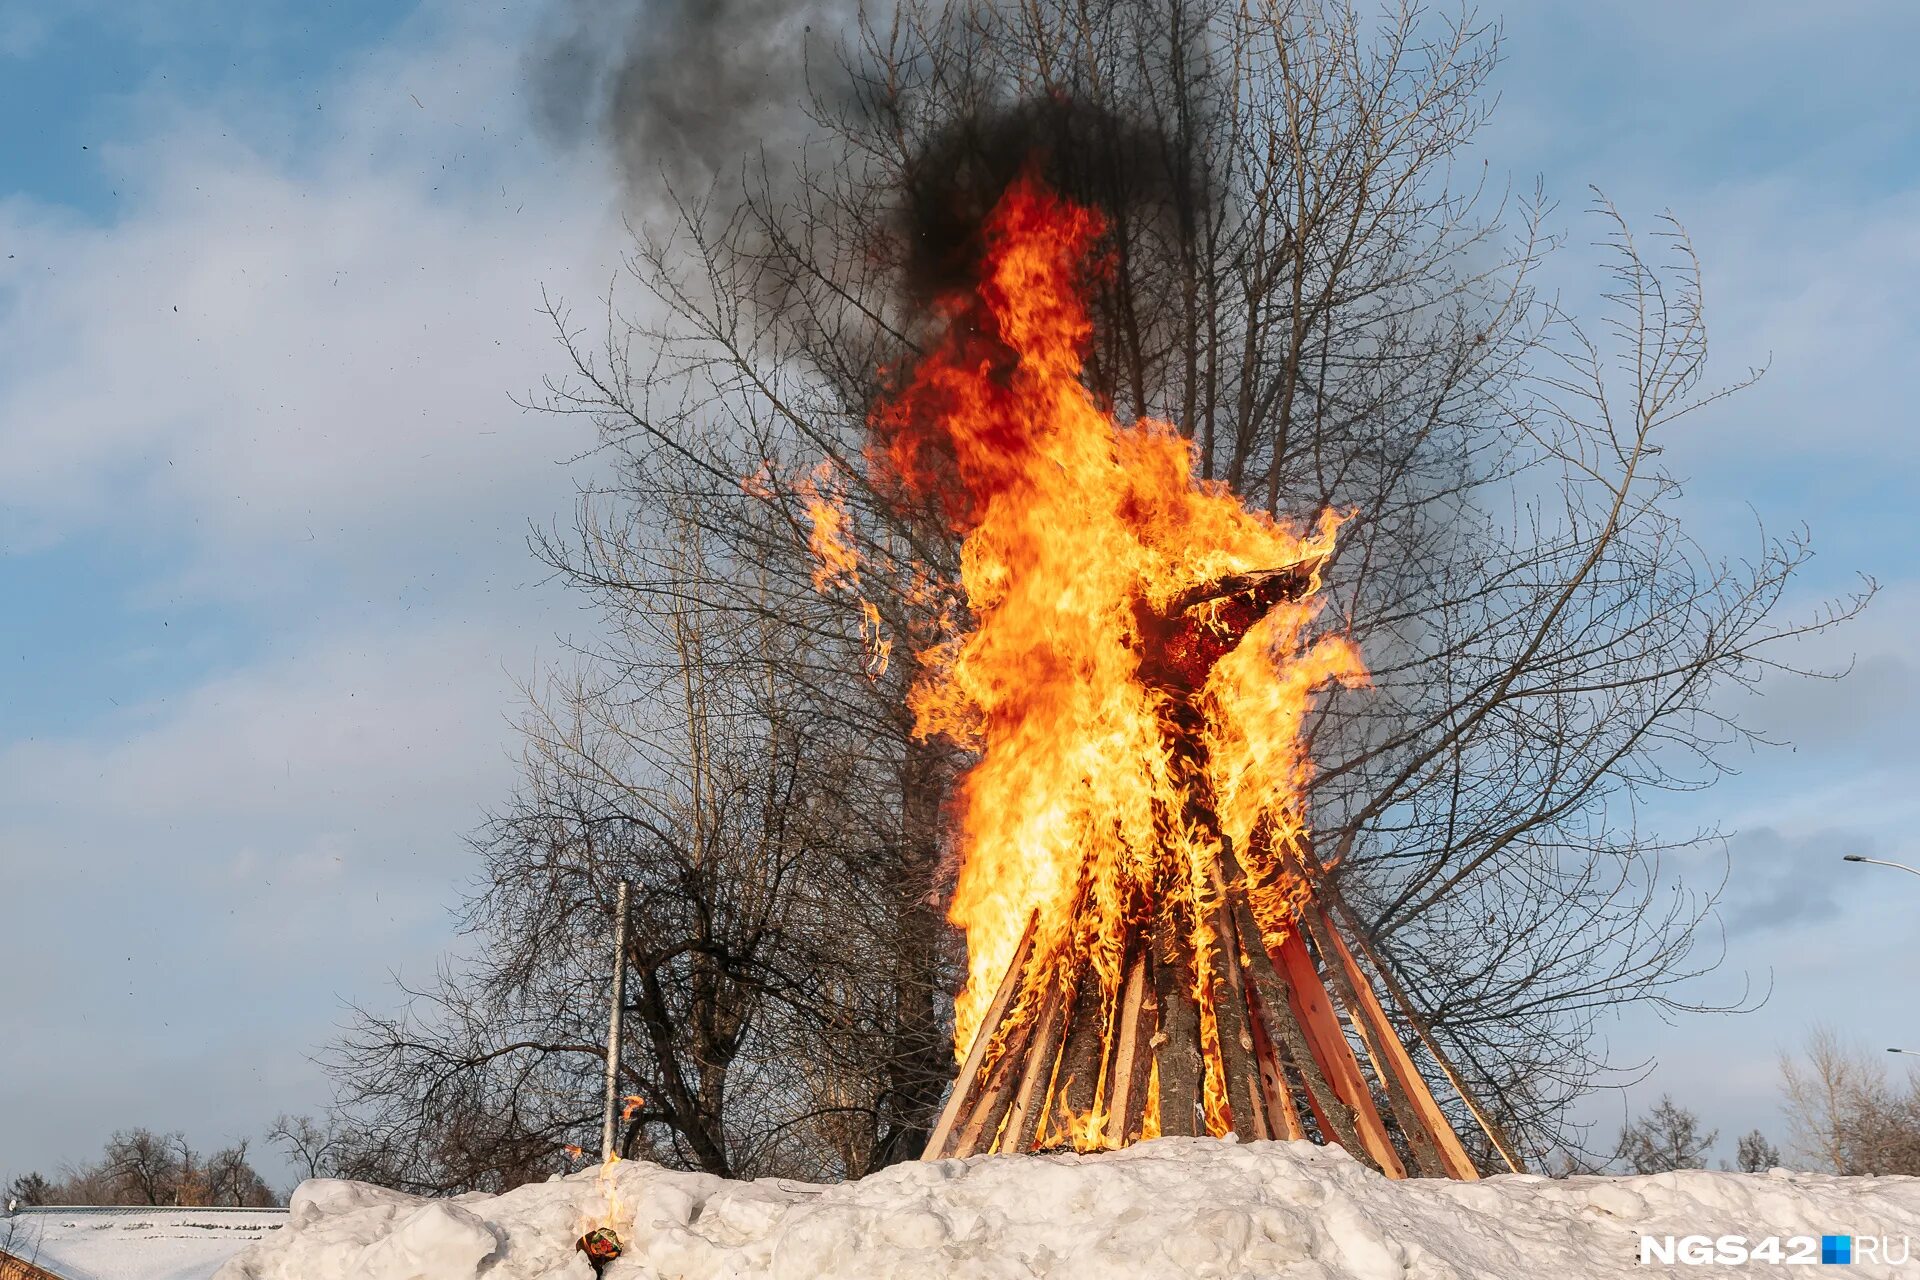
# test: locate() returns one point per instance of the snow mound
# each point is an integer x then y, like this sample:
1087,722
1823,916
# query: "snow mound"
1173,1207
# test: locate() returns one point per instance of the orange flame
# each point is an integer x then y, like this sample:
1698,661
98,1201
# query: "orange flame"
1077,528
837,561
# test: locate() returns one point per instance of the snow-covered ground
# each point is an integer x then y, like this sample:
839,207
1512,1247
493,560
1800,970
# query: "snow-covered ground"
134,1244
1174,1207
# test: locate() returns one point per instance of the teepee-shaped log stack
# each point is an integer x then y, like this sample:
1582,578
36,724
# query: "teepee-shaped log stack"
1216,1022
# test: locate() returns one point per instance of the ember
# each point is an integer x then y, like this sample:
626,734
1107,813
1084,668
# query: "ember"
1145,936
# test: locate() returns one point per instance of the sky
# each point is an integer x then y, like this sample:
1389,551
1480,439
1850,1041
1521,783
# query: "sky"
272,284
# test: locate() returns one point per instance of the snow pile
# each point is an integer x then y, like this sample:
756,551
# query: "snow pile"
135,1244
1174,1207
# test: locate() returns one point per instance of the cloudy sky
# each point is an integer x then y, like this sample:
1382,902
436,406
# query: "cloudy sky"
272,276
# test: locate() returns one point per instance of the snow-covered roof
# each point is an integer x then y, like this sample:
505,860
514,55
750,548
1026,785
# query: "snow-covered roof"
137,1243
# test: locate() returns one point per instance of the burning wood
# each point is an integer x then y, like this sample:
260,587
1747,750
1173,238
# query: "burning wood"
1147,951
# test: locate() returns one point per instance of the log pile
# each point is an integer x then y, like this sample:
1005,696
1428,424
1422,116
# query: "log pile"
1277,1032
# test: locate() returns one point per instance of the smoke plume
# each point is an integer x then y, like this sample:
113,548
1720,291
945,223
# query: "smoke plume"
684,91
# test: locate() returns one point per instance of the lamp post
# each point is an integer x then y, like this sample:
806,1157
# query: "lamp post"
619,1000
1897,866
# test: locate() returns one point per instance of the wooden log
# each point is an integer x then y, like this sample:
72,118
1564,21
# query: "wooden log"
1496,1134
1036,1079
1443,1143
966,1084
1244,1099
1126,1096
1080,1056
1176,1043
1314,1007
976,1133
1375,1032
1258,591
1180,643
1413,1125
1335,1117
1326,884
1283,1121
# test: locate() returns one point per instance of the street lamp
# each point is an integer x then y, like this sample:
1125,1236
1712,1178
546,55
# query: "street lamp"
1897,866
1911,1053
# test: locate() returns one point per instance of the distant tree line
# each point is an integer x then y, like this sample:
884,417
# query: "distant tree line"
140,1166
1845,1114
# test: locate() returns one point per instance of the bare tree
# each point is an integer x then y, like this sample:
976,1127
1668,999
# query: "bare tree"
756,830
1844,1114
232,1180
1295,280
147,1167
313,1147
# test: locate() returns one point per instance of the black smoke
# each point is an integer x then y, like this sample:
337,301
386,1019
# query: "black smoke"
1089,152
690,93
684,91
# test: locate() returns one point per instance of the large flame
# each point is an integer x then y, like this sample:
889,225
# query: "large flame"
1075,527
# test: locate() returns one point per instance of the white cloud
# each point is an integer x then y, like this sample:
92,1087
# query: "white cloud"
307,350
286,362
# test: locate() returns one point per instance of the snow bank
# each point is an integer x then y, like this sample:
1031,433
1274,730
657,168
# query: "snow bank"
1174,1207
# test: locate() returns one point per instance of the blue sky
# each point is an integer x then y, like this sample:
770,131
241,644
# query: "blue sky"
270,277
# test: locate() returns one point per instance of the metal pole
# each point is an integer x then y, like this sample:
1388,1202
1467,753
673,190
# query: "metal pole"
613,1020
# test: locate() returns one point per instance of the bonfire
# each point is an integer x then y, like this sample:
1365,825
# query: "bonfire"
1150,944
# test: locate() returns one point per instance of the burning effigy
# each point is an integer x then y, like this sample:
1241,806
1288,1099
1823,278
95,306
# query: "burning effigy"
1150,946
1130,657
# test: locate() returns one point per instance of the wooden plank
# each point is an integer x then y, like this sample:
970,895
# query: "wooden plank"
1283,1120
1448,1152
1314,1009
976,1134
1335,1118
1132,1056
966,1084
1496,1134
1413,1127
1036,1078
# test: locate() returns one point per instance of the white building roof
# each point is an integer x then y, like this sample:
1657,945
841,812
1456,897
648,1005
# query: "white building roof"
134,1243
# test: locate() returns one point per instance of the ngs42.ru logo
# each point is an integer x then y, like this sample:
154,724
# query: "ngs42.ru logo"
1734,1251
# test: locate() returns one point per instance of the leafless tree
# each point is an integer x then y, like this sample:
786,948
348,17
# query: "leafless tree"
1295,276
1843,1112
698,762
309,1145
